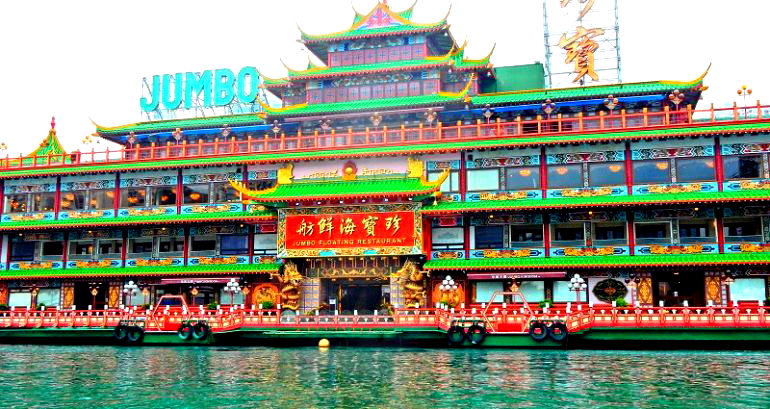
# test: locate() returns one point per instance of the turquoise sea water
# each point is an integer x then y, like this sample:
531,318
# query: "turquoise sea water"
184,377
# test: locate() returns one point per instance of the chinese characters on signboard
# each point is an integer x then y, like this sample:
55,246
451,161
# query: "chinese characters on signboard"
581,45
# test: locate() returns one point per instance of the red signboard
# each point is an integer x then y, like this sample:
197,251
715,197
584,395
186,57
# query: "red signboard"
361,231
518,276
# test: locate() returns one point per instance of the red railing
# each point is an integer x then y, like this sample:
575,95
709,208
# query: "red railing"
498,319
383,136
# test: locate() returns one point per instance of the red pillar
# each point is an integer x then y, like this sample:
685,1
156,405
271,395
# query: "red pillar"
116,199
179,188
467,236
630,229
463,176
720,229
123,249
543,174
718,163
547,235
629,170
426,237
57,199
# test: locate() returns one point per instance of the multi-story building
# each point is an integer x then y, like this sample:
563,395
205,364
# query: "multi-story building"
402,152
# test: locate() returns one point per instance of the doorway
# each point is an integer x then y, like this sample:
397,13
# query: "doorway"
674,288
362,296
84,296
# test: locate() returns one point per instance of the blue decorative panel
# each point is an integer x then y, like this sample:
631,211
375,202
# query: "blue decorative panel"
503,195
588,192
603,156
681,152
480,163
87,214
156,180
87,184
704,187
508,253
263,174
447,255
747,247
211,177
441,165
36,265
264,259
750,184
94,263
589,251
147,211
212,208
155,262
216,260
708,248
743,148
27,217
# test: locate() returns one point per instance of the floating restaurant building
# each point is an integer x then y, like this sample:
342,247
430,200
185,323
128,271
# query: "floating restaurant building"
402,173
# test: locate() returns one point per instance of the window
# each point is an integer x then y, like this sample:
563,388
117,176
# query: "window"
694,169
73,200
743,229
447,238
43,202
133,197
522,178
483,179
224,193
22,251
608,234
488,237
265,243
533,291
742,167
16,203
82,249
196,194
565,176
52,248
485,291
606,174
562,293
652,171
101,199
526,235
261,184
653,233
748,289
163,195
170,245
233,244
452,182
697,231
205,244
110,248
568,234
142,245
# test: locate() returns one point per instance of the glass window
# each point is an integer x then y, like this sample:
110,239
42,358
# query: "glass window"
698,231
48,297
533,291
203,243
562,293
43,202
525,235
73,200
609,233
133,197
652,171
522,178
233,244
82,248
742,166
111,248
743,229
224,193
447,238
265,243
694,169
565,176
488,237
101,199
485,291
141,245
53,248
653,233
748,289
171,245
16,203
261,184
196,194
606,174
452,182
483,179
163,195
23,251
568,234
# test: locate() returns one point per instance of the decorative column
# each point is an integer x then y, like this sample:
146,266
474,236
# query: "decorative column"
644,290
713,287
113,294
3,293
67,294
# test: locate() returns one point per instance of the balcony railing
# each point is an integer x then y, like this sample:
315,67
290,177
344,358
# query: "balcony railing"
384,136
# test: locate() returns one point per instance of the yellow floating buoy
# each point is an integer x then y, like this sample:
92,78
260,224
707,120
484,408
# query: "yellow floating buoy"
323,343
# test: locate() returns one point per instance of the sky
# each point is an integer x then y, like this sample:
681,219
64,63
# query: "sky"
83,60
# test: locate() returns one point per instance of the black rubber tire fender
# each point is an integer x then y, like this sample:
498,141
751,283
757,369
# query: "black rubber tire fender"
538,331
120,333
476,334
201,331
455,335
558,331
135,334
184,332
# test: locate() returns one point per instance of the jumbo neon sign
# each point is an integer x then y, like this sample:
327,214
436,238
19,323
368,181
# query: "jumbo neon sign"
218,88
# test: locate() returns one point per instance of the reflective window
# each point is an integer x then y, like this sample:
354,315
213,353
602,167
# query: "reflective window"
43,202
742,166
163,195
224,193
652,171
447,238
524,235
170,245
606,174
196,194
609,233
16,203
522,178
694,169
488,237
653,233
565,176
22,251
696,231
483,179
568,234
203,243
743,229
73,200
233,244
452,182
133,197
101,199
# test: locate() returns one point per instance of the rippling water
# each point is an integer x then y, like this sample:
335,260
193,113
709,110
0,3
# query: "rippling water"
181,377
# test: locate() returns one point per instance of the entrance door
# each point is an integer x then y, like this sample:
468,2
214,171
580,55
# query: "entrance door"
84,296
673,288
365,297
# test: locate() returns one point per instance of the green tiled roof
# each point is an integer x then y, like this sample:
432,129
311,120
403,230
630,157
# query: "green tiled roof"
433,147
597,201
540,95
362,105
141,271
530,263
119,221
336,189
389,30
209,122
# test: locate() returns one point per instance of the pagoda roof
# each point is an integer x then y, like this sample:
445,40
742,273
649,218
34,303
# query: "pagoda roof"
422,148
598,201
261,268
50,145
455,58
535,263
189,123
337,189
380,21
